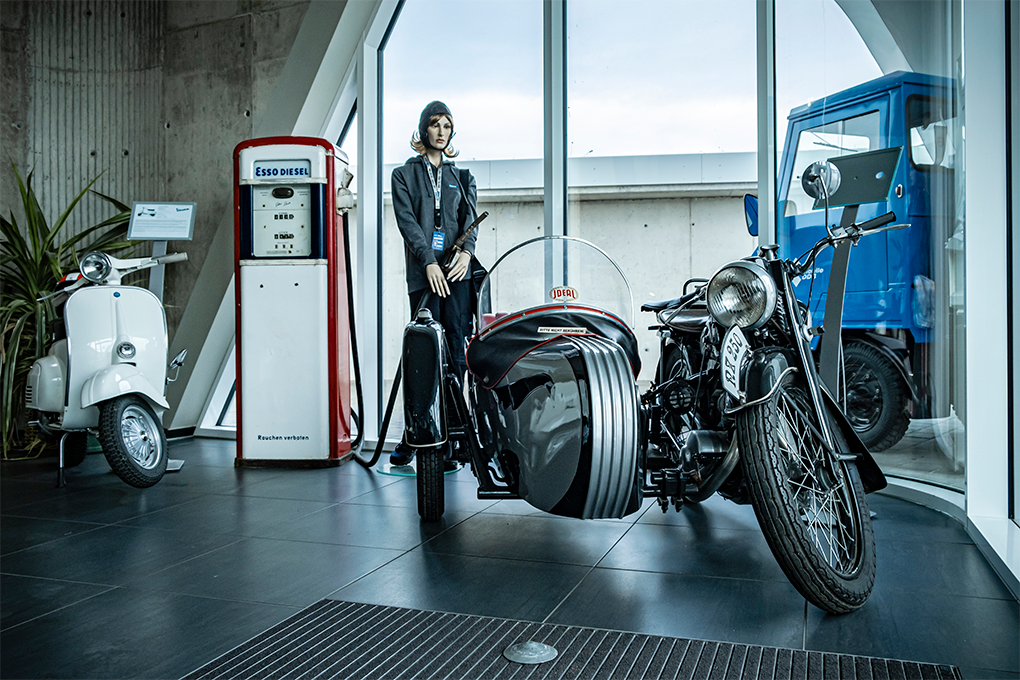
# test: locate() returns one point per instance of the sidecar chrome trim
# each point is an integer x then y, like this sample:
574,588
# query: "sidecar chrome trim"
614,423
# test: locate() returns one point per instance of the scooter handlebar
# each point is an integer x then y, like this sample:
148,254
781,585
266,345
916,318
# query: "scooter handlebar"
172,257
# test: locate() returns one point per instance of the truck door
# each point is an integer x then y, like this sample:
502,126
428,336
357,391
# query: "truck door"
851,129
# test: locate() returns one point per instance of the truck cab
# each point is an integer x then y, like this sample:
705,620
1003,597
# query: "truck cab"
899,295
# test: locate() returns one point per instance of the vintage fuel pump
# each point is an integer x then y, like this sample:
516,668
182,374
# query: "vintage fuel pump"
291,293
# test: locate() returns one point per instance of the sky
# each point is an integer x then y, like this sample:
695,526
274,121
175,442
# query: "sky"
644,76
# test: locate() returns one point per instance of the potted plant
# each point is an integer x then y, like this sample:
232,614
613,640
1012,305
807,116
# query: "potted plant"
33,258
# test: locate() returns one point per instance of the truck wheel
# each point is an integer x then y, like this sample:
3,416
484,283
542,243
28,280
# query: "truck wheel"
877,401
429,478
133,440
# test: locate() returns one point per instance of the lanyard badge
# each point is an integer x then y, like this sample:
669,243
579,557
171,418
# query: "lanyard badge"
437,188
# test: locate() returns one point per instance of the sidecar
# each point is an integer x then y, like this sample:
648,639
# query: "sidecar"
552,415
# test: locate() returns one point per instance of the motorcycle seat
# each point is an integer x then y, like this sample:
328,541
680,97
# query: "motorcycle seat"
690,320
659,305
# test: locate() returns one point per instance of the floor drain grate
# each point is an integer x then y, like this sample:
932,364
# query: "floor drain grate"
334,639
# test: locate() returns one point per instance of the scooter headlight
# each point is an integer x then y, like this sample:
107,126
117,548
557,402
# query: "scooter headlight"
96,267
742,293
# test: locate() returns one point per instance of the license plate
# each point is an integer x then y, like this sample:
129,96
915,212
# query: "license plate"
734,350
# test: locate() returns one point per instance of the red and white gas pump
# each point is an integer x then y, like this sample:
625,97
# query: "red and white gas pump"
290,287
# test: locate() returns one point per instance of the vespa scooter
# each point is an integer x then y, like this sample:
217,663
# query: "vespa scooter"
105,372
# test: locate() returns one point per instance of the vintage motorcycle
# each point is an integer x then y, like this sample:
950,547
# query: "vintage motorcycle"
737,406
105,371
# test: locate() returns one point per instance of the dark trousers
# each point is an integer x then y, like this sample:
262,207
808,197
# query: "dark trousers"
454,314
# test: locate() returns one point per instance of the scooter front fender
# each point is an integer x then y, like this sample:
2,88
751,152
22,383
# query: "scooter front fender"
116,380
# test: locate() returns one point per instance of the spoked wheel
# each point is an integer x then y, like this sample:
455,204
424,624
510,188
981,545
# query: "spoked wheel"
133,440
876,400
429,478
811,506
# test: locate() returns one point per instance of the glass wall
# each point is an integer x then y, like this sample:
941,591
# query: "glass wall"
488,70
853,94
661,138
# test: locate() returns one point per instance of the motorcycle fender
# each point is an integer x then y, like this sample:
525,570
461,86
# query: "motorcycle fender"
763,371
45,386
872,478
422,363
116,380
761,375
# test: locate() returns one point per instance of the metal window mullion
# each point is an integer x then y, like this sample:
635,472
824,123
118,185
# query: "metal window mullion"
766,65
555,115
368,249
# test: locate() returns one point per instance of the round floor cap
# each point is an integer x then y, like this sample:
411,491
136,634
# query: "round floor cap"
530,652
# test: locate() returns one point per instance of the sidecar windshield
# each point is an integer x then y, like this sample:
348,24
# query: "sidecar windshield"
554,270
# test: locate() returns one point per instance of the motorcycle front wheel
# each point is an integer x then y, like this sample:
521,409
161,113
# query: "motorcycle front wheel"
429,478
133,440
810,505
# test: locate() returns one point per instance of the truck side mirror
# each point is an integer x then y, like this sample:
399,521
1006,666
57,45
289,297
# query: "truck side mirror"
751,213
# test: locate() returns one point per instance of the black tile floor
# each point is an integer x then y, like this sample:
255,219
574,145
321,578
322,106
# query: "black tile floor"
101,580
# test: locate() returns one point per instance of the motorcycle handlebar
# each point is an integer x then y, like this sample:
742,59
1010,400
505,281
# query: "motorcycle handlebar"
877,222
172,257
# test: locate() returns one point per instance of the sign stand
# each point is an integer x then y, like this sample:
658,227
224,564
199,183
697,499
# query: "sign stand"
160,223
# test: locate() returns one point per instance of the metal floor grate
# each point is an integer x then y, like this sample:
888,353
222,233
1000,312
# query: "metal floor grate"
334,639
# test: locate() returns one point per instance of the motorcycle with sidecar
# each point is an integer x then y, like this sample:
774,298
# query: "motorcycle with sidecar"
552,414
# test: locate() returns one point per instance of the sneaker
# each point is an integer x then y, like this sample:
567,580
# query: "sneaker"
402,454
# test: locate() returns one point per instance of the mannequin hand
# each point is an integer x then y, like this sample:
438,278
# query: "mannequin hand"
437,282
460,268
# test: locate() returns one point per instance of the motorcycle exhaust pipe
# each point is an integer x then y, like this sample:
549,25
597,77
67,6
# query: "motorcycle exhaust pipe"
711,443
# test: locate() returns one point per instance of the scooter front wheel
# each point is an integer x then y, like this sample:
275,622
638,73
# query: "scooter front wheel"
133,440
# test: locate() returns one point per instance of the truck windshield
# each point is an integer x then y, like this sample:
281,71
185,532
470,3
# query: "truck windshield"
931,121
832,140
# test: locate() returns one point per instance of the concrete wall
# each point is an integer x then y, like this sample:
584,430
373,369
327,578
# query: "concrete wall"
156,94
221,63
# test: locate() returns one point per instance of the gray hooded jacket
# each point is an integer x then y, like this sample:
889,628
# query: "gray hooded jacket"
414,207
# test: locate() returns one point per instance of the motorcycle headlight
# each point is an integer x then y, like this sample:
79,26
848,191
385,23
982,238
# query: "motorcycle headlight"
741,293
96,267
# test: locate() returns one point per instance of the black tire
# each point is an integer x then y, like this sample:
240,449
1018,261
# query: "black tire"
76,447
811,507
429,477
877,401
133,440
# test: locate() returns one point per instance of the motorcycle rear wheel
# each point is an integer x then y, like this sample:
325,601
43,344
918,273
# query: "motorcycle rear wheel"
133,440
429,479
811,506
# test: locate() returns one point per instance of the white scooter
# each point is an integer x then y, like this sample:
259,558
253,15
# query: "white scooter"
106,371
